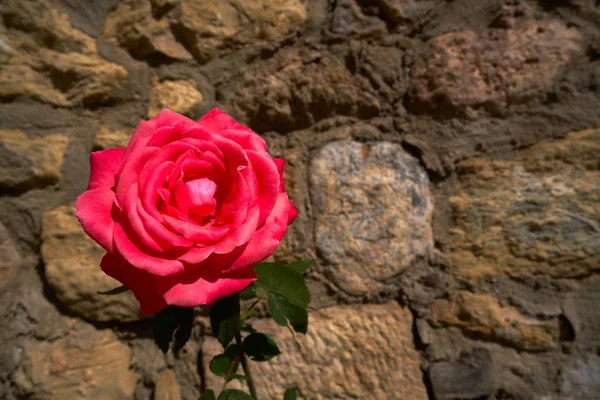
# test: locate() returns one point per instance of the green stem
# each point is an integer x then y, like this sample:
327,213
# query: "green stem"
245,366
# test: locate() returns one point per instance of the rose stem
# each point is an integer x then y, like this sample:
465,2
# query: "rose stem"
245,366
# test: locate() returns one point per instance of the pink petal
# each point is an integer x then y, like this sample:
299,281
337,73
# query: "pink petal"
139,282
145,260
293,213
268,180
266,239
94,213
129,171
103,165
241,235
198,233
280,163
134,222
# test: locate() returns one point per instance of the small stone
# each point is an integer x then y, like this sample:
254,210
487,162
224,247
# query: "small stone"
166,386
107,138
481,316
580,379
470,377
86,364
373,212
73,271
536,214
27,161
50,60
178,96
362,352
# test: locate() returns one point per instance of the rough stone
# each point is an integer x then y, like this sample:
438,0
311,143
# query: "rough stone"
10,258
26,161
294,90
179,96
481,316
87,364
373,212
537,214
363,352
166,386
470,377
580,379
107,138
72,269
45,58
177,28
464,69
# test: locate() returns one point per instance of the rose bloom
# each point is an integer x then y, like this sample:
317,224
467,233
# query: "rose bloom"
186,210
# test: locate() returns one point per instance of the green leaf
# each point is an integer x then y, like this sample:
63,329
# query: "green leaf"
234,394
185,318
290,394
279,278
224,318
249,292
117,290
164,325
301,266
297,316
276,310
208,395
260,347
221,364
246,327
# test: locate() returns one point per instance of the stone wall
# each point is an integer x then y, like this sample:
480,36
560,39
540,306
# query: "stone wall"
444,156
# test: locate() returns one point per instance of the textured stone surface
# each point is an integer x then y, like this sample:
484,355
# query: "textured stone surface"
481,316
470,377
464,69
10,258
72,269
295,90
107,138
538,214
86,364
373,212
177,28
49,60
166,386
28,161
580,379
361,352
178,96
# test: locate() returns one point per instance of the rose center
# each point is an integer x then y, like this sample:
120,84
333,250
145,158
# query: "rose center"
196,197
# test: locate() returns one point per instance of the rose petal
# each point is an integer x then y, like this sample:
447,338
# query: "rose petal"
129,171
169,265
103,165
94,213
265,241
198,233
280,163
241,235
134,222
268,182
139,282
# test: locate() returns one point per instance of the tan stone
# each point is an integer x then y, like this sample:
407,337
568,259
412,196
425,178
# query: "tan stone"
49,60
107,138
482,316
537,214
362,352
179,96
86,364
44,154
72,269
166,387
373,212
203,27
294,91
462,69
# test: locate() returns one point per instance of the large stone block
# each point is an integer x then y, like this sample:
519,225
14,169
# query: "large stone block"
373,212
362,352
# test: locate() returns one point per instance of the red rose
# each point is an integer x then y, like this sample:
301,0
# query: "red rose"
186,210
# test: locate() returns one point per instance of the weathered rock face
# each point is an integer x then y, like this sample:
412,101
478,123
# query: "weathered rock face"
176,28
178,96
166,386
373,212
28,161
72,269
45,58
537,214
107,138
88,364
463,69
482,317
10,258
361,352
